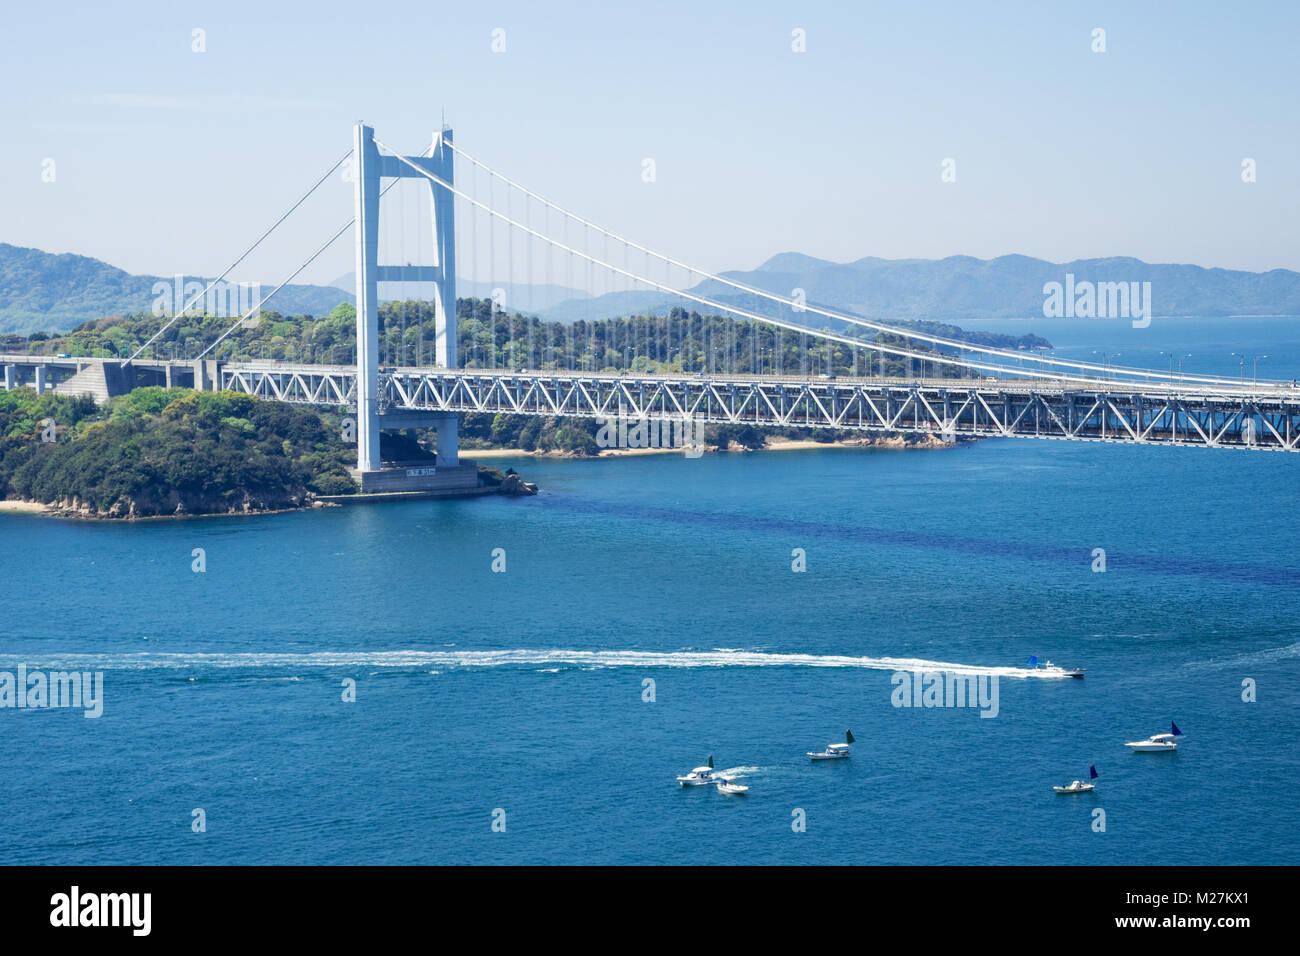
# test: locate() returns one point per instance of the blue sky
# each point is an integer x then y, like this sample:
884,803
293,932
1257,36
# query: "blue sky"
173,161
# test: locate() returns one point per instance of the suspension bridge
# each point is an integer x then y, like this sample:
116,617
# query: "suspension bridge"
982,391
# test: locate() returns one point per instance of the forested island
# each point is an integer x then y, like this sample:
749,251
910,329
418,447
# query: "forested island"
165,452
158,451
168,452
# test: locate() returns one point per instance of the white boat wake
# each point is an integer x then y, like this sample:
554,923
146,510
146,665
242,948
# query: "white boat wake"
1268,655
529,658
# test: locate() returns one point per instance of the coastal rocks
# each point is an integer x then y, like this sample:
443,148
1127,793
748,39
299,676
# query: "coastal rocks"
170,505
71,506
516,487
905,440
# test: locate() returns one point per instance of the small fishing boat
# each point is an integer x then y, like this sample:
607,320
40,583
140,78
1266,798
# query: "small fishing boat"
1159,743
1078,786
834,751
731,788
699,777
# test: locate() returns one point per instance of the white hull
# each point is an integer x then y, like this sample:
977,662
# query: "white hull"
733,789
1150,748
813,756
1085,788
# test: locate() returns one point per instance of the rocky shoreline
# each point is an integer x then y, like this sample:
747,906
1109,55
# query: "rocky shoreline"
511,484
72,507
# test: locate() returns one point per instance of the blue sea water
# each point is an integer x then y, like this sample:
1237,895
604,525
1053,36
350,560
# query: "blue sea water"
523,691
1205,345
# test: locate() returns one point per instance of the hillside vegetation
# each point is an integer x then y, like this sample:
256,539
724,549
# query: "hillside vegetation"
162,452
680,341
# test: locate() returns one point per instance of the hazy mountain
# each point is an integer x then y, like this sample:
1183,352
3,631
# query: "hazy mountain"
53,293
519,296
962,287
40,290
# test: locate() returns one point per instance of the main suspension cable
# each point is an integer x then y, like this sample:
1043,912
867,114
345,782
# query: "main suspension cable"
1107,370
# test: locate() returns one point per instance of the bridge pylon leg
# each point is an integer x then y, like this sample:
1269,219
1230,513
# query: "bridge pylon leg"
444,236
365,156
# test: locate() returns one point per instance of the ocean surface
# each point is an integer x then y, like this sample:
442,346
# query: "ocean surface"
1205,346
521,696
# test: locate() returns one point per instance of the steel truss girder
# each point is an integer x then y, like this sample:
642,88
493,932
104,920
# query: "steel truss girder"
1009,409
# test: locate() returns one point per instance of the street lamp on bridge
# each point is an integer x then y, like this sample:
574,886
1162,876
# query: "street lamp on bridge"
1179,356
1106,358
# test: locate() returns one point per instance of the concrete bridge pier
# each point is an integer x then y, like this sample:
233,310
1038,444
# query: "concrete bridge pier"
40,380
448,441
11,377
207,375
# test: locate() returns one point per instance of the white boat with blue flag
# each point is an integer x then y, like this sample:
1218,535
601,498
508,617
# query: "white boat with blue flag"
699,777
1078,786
1159,743
834,751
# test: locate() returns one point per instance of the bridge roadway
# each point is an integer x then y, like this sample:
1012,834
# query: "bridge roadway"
99,377
1226,415
1263,416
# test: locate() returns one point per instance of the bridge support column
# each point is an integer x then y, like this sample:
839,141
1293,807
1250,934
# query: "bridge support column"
444,240
40,380
11,377
366,158
448,441
207,376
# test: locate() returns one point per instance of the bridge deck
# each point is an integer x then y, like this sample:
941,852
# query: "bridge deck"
1263,417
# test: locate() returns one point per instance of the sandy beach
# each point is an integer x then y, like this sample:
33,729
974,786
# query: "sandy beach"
24,507
773,444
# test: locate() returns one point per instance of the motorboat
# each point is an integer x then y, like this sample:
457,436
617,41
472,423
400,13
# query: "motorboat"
731,788
834,751
699,777
1049,667
1159,743
1078,786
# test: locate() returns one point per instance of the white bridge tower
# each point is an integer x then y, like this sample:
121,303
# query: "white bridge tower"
372,167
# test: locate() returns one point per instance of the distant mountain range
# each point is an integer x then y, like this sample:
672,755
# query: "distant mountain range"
517,296
43,291
965,288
